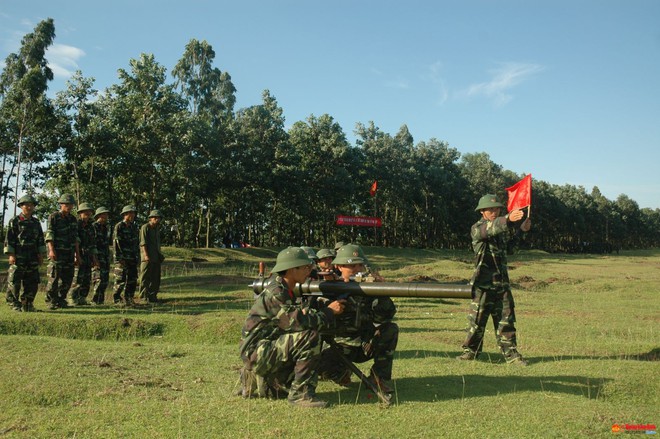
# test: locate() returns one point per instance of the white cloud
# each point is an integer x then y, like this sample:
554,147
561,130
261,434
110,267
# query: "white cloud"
504,79
434,75
63,59
400,83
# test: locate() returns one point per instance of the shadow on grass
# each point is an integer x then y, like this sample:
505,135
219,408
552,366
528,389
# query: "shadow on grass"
190,305
497,358
450,387
461,387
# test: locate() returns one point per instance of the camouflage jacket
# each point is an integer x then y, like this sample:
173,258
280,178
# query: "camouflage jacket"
62,230
491,241
126,241
87,237
374,311
102,239
24,239
276,312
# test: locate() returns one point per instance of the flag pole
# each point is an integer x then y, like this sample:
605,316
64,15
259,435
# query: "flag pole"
375,216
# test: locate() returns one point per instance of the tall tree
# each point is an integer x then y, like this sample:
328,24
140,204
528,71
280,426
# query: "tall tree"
328,174
25,110
211,97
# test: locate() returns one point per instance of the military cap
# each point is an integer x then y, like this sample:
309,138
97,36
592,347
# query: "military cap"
85,206
339,245
488,201
350,254
325,253
310,252
66,199
128,208
291,257
101,210
155,214
26,199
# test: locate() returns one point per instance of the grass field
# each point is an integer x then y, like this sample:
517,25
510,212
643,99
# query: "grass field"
587,324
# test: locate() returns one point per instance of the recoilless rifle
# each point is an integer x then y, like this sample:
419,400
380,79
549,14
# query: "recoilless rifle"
356,294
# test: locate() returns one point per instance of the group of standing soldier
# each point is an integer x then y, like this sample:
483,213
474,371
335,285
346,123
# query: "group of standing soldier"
283,337
79,258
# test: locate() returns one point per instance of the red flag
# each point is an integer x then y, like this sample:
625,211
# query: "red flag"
520,194
374,188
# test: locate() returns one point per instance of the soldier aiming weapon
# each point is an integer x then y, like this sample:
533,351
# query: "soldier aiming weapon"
359,295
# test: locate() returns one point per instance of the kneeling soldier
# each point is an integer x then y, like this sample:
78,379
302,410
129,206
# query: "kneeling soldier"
280,343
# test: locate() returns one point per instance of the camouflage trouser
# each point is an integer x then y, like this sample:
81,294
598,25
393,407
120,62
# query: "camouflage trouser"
149,279
497,303
82,279
100,279
380,347
25,275
60,276
290,361
125,280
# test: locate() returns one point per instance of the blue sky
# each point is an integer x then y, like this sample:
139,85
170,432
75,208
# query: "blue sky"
565,90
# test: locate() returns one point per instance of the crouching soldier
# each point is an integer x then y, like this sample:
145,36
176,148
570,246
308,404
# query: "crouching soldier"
280,343
374,339
25,247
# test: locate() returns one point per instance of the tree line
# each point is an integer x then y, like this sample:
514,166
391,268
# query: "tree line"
219,173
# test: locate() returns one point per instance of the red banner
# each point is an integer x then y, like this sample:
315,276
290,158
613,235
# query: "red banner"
366,221
520,194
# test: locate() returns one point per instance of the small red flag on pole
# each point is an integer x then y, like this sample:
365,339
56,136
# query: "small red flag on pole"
374,188
520,194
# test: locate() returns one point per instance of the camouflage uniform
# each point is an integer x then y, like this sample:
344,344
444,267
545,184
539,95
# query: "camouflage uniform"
25,240
281,344
127,253
101,274
376,339
62,231
83,272
491,293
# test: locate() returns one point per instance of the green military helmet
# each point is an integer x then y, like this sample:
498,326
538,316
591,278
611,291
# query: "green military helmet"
85,207
66,199
338,245
350,254
128,208
26,199
325,253
291,257
155,214
100,211
488,201
311,254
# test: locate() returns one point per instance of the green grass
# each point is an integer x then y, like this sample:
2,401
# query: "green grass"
588,325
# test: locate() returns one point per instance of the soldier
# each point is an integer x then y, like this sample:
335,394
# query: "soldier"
376,337
280,344
101,274
63,252
491,293
326,270
25,247
127,252
152,258
311,254
82,277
